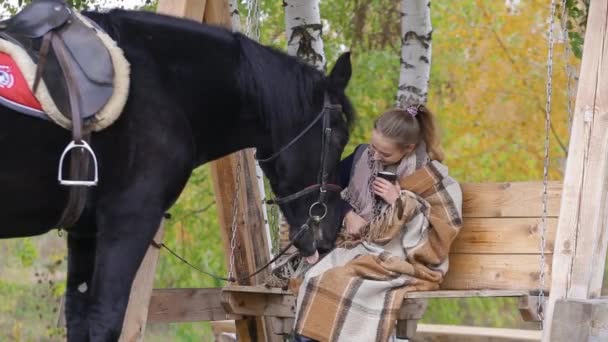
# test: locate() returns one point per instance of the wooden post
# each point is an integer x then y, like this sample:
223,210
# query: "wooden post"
136,317
580,245
580,320
251,250
134,324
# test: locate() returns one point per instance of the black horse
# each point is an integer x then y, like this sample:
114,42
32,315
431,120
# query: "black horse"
197,93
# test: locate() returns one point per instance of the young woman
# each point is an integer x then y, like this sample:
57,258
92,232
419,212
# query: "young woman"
402,141
392,243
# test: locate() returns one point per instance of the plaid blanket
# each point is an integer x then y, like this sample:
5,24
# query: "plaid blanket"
355,292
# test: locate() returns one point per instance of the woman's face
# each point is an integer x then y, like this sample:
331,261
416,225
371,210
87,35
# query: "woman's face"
386,151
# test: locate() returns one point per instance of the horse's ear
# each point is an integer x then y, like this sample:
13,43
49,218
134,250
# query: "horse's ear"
340,74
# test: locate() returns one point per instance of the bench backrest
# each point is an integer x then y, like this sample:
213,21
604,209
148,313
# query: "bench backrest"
499,245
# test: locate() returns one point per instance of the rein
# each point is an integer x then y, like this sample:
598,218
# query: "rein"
322,187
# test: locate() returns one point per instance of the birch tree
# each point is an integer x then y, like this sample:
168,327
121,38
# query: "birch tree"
235,16
304,31
416,37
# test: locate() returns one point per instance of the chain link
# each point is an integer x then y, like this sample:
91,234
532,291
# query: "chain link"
235,207
543,225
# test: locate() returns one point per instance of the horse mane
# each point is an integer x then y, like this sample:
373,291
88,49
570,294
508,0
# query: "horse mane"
272,82
280,82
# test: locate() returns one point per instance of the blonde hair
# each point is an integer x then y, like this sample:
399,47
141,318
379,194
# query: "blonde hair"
410,126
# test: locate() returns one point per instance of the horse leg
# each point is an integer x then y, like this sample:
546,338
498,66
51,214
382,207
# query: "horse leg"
81,259
122,242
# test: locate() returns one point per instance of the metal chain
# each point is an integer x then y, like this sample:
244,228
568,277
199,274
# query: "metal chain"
235,207
543,226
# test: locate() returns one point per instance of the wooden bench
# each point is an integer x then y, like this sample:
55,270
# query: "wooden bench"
497,254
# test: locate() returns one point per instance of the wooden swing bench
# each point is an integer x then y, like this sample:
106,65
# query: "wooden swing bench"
497,254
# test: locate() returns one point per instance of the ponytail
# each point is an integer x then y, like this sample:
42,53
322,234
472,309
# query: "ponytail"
410,126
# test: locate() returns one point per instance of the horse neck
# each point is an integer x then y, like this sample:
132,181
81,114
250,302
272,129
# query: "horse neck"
280,91
235,92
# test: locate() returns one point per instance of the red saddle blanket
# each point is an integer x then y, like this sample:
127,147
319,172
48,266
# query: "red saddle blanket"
15,93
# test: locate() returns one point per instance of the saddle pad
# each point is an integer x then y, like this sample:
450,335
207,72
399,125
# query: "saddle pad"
14,90
104,118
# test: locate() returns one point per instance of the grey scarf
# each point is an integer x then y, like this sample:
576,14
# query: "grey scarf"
359,193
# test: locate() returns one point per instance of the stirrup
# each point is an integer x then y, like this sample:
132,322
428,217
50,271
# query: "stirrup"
71,182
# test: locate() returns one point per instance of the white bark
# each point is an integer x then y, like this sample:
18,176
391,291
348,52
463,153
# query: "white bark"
304,31
235,17
416,37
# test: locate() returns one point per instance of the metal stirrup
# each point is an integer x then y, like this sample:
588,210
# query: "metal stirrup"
75,182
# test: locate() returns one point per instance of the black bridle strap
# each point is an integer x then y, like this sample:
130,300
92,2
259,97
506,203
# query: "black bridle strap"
323,175
293,141
306,191
327,106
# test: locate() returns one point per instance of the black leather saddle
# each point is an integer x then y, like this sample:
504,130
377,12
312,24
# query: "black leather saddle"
75,64
78,72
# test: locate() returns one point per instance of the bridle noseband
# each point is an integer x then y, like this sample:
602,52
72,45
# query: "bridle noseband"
322,186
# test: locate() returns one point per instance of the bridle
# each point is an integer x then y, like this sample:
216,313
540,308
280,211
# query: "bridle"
322,186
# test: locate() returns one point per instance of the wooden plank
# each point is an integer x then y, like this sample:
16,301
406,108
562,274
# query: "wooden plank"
255,289
453,333
592,238
496,271
503,236
136,316
191,9
467,293
515,199
187,305
217,13
252,246
580,253
580,320
259,304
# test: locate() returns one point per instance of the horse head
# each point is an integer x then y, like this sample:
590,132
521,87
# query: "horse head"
302,164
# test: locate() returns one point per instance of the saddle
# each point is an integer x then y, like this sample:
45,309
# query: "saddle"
71,58
78,72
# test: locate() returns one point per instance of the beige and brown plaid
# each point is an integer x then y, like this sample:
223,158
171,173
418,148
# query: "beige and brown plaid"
354,294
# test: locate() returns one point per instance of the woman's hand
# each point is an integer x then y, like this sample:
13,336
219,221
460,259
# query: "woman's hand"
388,191
353,223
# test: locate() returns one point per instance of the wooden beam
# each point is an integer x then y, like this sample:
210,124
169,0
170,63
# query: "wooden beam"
191,9
503,236
516,199
580,247
187,305
467,293
259,304
495,271
251,250
438,333
136,317
453,333
217,13
580,320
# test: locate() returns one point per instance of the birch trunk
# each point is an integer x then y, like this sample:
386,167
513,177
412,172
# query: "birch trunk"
416,38
235,16
304,31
